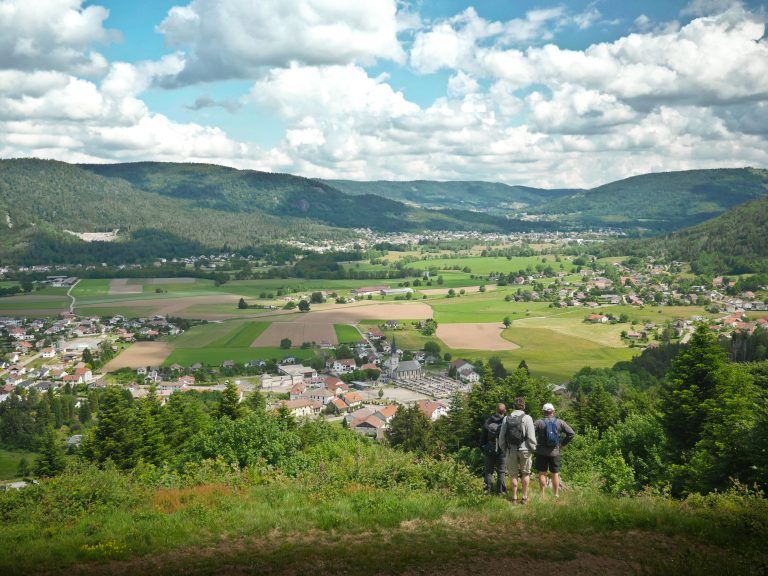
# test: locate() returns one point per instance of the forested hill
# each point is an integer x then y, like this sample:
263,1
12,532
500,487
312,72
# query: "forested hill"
172,209
736,242
494,197
660,202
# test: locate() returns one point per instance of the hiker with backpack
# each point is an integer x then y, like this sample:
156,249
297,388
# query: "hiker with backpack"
495,458
549,441
518,440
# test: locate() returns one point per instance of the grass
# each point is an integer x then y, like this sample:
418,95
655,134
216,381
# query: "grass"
347,334
284,527
9,462
487,264
211,356
242,337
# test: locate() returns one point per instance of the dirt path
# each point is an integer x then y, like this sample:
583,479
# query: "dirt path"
475,336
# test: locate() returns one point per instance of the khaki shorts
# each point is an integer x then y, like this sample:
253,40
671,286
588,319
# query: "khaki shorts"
519,462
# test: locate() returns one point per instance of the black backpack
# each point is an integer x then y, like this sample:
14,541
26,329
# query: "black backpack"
515,434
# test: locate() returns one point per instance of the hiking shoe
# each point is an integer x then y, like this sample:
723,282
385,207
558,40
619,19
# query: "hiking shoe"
524,501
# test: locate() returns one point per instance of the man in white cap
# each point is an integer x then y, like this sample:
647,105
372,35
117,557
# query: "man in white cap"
551,434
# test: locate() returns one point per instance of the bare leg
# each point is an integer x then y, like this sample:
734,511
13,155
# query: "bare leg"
556,483
526,482
542,482
513,480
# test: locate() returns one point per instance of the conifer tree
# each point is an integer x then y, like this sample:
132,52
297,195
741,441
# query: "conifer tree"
51,461
229,404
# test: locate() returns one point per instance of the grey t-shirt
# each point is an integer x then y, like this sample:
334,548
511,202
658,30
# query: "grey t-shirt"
541,436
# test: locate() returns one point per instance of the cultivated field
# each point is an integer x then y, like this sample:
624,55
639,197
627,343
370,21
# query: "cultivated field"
120,286
297,333
467,289
475,336
139,355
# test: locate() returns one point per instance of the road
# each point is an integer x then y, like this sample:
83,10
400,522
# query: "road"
69,293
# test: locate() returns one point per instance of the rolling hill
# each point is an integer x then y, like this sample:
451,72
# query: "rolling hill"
493,197
172,209
735,242
663,202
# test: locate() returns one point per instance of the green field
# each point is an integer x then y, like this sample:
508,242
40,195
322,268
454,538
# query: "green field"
487,265
242,337
9,462
211,356
347,334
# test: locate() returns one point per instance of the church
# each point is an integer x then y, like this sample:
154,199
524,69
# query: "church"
405,370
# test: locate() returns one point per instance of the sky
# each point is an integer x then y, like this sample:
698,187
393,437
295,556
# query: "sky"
574,93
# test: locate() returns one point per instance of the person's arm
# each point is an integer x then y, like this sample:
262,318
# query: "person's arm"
484,436
502,435
530,434
568,431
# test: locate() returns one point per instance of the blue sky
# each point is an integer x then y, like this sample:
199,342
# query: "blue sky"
571,93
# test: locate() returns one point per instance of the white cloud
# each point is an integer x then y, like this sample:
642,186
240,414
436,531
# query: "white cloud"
238,38
52,35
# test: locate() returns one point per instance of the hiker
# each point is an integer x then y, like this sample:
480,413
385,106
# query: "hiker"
518,440
495,459
549,441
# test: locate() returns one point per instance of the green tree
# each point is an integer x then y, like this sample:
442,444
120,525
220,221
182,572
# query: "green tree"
433,348
229,404
24,469
689,385
601,409
152,447
303,306
524,366
507,321
730,419
410,430
51,460
256,402
116,436
84,412
87,356
242,304
285,343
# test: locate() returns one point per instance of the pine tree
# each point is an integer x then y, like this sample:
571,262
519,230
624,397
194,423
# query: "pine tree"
87,356
689,384
256,402
411,430
601,409
51,461
115,437
24,469
229,404
84,413
152,446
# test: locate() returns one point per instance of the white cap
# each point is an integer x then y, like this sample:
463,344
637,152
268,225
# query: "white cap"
547,408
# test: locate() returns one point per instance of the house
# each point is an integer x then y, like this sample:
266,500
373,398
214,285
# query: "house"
465,371
187,380
228,364
343,366
47,353
396,291
352,399
374,333
432,410
370,426
297,391
301,408
297,372
338,405
368,290
321,395
386,413
597,319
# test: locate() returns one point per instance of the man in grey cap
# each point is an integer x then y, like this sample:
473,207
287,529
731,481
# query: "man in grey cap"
551,434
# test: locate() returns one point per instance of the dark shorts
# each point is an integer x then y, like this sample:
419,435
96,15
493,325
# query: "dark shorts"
548,463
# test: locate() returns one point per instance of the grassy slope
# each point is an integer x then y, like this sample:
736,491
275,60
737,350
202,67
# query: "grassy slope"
286,529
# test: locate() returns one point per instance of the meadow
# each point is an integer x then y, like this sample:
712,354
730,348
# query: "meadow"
92,521
9,462
490,264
